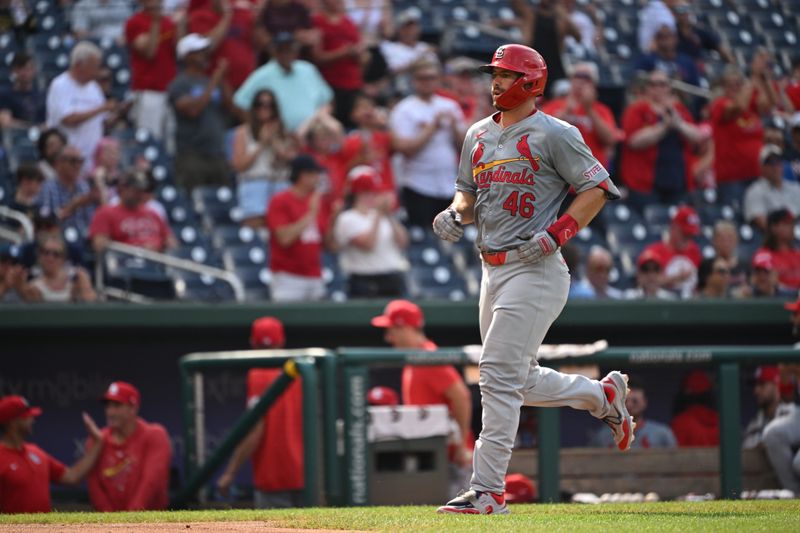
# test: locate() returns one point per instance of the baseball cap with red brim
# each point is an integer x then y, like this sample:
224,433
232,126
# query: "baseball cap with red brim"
687,220
400,313
122,392
267,332
15,406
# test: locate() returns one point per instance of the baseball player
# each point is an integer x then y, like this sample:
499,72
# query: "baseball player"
516,168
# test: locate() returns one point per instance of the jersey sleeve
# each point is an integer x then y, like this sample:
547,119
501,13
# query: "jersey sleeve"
278,214
55,468
465,181
576,165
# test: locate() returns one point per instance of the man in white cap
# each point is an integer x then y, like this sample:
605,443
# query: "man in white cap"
770,192
200,121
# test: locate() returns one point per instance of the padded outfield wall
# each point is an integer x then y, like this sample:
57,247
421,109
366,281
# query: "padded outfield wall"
62,357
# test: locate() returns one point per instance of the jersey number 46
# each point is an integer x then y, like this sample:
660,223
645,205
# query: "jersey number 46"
519,203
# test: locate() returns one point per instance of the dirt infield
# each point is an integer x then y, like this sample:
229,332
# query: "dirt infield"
163,527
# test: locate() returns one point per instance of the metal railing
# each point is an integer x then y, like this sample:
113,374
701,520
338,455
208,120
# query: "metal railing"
166,260
24,221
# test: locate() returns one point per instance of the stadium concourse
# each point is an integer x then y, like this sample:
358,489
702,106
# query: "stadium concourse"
207,221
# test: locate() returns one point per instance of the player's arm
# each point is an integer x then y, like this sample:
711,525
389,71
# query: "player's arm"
586,205
464,204
242,452
460,402
75,473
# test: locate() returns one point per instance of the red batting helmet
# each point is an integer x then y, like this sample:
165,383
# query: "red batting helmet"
526,61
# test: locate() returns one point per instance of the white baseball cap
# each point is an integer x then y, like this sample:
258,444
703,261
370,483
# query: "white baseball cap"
194,42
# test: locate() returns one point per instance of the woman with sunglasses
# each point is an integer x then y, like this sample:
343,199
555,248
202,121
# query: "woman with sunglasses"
58,281
261,153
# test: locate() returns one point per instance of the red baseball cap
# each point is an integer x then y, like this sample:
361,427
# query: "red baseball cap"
382,396
267,332
768,374
687,220
696,382
763,260
122,392
12,407
363,178
520,489
400,313
648,256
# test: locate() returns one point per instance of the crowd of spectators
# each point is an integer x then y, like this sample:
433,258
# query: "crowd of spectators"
237,91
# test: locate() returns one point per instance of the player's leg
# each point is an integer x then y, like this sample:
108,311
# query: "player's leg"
780,436
523,301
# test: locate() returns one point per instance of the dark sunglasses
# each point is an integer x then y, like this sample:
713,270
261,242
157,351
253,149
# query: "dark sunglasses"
73,160
647,268
51,253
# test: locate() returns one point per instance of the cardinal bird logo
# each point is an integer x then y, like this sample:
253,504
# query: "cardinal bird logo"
477,154
525,151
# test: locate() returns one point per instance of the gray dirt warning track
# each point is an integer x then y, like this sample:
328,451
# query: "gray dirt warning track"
164,527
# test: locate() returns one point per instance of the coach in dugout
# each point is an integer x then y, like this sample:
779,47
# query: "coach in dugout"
132,473
275,444
26,471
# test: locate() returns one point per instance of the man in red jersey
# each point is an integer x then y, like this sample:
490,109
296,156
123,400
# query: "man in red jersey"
131,221
151,38
132,473
299,229
679,254
26,471
581,108
275,444
738,136
431,385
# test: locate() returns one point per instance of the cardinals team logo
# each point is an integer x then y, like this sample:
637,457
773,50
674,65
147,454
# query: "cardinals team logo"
525,151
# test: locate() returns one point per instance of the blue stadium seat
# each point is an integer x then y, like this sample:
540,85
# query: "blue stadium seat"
657,214
437,282
636,233
254,254
199,253
256,280
226,236
203,289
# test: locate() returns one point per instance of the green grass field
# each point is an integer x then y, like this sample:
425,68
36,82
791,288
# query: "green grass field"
728,516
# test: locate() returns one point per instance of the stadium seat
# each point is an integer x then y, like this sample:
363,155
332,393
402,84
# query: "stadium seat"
636,233
658,215
256,280
227,236
138,276
254,254
199,253
437,282
203,289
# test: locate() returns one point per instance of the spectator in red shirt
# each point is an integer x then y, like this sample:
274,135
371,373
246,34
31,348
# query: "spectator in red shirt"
696,422
792,89
132,473
324,143
779,244
151,39
26,471
131,221
298,230
370,142
738,136
291,16
431,385
657,154
275,444
340,55
679,255
580,108
228,24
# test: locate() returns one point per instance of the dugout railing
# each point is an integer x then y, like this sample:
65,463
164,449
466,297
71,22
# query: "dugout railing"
315,366
347,477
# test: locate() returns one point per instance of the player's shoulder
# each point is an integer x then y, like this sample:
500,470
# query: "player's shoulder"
551,124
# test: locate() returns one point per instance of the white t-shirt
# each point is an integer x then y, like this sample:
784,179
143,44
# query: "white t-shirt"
385,257
586,28
432,170
762,198
654,15
65,97
400,56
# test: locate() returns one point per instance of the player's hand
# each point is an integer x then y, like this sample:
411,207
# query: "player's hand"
447,225
91,427
537,248
224,484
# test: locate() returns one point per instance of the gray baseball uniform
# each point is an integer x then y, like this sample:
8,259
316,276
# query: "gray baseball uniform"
519,176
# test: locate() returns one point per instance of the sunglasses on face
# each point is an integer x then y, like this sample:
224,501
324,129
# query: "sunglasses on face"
49,252
649,268
73,160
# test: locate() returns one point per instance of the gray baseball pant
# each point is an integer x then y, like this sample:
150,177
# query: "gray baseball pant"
781,439
518,303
